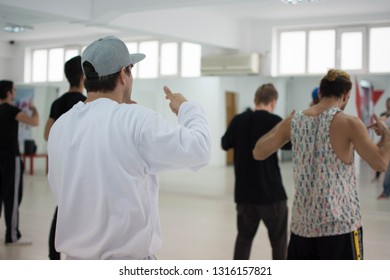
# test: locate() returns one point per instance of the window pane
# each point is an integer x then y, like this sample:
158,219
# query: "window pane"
168,59
133,48
39,66
190,60
56,65
322,50
148,68
70,53
379,50
292,52
351,51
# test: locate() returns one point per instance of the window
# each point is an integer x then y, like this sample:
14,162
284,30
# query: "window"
351,50
70,53
348,48
133,48
162,59
47,65
149,67
39,66
379,56
56,65
169,59
321,50
190,60
292,53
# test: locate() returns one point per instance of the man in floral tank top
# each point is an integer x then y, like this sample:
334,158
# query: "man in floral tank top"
326,220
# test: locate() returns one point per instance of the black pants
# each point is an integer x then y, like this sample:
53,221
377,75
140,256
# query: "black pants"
275,217
347,246
53,254
11,188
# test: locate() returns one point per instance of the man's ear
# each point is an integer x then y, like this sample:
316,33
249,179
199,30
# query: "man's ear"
346,96
122,75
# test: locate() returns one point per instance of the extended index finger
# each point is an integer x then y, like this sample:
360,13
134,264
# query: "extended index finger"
168,92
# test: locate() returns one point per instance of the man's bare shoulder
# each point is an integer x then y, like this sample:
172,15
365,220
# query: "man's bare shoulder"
347,122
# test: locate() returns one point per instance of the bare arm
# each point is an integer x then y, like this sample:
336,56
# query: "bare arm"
273,140
30,120
376,155
48,126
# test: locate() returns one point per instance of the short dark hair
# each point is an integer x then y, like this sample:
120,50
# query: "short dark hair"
5,87
102,84
265,94
73,71
335,83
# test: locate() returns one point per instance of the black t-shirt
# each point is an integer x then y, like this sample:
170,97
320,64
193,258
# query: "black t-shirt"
257,181
64,103
9,145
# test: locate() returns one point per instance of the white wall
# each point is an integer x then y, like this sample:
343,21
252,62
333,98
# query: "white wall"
5,61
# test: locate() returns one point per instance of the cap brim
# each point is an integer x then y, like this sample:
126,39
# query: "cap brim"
136,57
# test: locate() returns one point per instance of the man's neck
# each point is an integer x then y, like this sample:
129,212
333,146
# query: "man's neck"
92,96
264,107
79,88
6,100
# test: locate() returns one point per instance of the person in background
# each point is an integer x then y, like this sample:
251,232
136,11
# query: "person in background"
384,116
326,218
386,113
259,191
74,75
11,167
386,181
105,154
315,96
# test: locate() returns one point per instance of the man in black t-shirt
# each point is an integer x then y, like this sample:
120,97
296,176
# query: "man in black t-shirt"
61,105
259,191
11,170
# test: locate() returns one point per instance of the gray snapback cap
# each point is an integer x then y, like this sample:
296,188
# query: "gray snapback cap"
107,56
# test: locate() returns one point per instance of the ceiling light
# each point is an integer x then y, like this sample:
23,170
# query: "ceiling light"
294,2
15,28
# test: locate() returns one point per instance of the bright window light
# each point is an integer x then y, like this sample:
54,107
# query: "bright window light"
56,65
39,66
292,52
351,56
168,59
379,57
190,59
322,50
70,53
133,48
148,68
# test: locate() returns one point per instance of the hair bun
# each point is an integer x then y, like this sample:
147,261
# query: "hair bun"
333,74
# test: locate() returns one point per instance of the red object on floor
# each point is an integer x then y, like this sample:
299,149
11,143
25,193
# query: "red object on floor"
31,158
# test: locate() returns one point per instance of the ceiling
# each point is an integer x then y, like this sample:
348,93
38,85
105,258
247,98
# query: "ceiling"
204,21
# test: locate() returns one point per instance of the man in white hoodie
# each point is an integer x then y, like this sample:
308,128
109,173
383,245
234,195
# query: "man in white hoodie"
105,154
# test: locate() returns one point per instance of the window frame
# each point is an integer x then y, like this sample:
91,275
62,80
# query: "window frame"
339,30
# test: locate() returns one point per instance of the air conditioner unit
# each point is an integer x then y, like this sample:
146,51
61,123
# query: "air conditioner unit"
231,64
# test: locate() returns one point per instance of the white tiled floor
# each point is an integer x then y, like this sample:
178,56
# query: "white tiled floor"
197,216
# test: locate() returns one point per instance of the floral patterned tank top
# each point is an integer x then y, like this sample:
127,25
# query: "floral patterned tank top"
326,200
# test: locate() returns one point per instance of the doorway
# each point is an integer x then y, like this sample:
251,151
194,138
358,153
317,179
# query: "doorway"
231,111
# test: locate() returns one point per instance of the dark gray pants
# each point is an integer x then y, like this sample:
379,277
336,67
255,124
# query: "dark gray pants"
275,218
11,187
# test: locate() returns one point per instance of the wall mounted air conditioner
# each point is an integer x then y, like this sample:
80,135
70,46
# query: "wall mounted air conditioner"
231,64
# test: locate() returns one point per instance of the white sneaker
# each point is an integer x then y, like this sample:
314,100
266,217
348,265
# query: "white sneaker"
20,242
